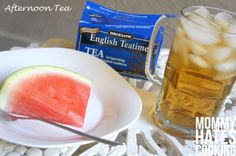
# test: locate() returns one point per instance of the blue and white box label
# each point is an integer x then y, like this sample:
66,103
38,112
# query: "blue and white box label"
119,39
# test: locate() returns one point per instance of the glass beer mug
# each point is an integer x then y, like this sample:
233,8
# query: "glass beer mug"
200,71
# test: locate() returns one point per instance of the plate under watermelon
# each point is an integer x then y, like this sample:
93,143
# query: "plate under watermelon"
47,92
112,107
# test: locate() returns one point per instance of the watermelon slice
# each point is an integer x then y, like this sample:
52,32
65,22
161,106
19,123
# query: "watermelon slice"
47,92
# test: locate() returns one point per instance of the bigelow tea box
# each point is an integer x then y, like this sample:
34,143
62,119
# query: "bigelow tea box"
119,39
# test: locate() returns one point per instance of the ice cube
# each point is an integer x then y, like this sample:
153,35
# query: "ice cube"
223,19
202,11
179,46
226,67
179,31
218,54
230,35
196,48
201,29
204,22
197,60
232,28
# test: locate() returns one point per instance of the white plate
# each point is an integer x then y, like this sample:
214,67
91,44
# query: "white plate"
113,105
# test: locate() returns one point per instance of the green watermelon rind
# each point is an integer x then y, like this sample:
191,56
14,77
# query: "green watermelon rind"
15,77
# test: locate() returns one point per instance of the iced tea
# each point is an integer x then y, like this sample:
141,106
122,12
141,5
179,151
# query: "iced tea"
200,71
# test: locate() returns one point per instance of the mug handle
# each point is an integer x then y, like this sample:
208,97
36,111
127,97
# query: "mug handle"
156,80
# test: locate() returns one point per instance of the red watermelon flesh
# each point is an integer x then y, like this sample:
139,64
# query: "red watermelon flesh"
47,92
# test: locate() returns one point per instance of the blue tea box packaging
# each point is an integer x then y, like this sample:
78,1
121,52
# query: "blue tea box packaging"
119,39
